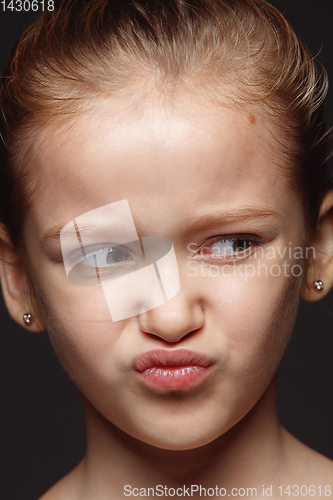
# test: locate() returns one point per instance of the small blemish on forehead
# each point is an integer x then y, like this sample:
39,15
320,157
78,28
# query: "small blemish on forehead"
252,119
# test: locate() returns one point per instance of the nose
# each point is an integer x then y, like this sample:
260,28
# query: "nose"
174,319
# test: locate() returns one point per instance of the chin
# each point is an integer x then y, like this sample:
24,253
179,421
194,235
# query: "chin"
182,438
185,427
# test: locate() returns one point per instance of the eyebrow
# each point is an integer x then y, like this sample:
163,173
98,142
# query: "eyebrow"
54,231
51,237
244,214
84,228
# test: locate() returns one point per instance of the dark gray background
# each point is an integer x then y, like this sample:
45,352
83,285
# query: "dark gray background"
41,423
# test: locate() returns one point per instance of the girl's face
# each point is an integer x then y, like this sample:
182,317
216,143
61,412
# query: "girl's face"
206,178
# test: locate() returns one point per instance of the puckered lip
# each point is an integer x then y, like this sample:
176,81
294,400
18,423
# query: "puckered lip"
170,358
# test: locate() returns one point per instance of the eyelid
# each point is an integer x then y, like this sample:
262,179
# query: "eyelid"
93,253
91,250
88,269
253,238
232,237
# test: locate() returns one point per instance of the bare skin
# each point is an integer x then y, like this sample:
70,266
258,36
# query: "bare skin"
175,165
295,465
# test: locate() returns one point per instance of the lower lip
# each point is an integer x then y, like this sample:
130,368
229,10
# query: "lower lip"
175,377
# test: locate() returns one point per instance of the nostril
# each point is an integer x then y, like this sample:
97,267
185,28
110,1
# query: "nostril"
174,320
172,338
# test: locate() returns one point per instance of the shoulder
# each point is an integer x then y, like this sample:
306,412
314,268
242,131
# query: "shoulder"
67,487
306,466
60,491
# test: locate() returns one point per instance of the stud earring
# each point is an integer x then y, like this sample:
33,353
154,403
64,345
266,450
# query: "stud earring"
319,285
27,318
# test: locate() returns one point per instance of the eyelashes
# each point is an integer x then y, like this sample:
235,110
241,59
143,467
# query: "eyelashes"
226,249
108,261
104,254
106,257
102,262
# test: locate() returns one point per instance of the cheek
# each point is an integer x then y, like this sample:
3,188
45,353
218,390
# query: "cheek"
80,327
247,326
256,317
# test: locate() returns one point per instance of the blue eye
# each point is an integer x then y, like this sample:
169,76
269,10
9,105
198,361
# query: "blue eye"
104,257
103,262
230,246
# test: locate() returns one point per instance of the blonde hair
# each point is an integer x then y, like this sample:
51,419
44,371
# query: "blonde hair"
243,50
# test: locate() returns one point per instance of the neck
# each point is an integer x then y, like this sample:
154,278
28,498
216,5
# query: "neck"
115,459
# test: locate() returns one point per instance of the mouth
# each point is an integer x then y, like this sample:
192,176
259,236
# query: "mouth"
172,369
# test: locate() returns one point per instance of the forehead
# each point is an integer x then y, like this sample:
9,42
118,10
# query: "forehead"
183,156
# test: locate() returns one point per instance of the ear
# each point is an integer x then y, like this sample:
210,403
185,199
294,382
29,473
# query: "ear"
320,265
16,288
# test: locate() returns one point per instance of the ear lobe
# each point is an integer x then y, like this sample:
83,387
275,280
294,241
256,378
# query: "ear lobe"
320,267
16,291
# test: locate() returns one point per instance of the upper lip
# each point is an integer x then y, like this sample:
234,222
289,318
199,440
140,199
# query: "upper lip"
170,357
